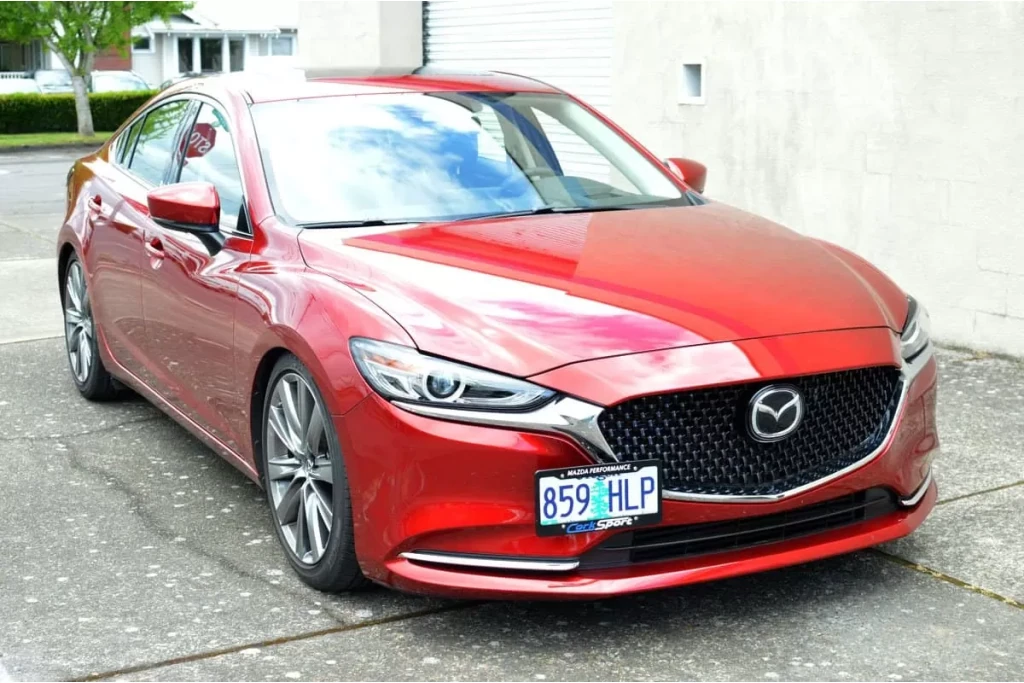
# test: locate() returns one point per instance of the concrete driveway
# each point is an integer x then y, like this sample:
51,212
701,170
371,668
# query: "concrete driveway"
130,550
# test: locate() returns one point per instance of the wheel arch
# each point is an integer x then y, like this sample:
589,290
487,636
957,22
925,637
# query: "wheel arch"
334,374
67,250
315,328
258,394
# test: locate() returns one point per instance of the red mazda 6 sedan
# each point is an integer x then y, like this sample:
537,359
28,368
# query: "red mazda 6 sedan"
475,340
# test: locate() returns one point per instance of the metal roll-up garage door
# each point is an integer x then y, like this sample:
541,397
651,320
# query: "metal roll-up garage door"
566,44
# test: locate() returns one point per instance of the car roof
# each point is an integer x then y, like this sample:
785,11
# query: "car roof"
309,83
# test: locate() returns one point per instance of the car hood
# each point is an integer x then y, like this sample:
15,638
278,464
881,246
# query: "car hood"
524,295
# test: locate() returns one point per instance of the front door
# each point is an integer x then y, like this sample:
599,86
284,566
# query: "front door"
189,290
116,205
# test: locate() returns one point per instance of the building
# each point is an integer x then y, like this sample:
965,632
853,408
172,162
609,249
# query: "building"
19,57
18,60
893,129
215,36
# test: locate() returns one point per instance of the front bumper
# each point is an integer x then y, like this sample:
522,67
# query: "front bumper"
424,489
433,578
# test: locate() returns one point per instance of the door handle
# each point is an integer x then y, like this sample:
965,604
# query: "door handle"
155,248
95,204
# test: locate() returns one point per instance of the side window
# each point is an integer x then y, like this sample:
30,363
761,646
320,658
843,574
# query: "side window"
154,149
123,150
210,157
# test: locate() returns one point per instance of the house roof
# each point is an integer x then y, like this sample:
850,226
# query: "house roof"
230,16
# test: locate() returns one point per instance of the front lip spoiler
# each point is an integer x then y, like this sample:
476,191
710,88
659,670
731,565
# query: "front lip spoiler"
492,561
916,497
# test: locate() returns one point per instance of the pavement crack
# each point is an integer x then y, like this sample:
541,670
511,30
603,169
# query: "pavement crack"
994,489
138,506
941,576
283,640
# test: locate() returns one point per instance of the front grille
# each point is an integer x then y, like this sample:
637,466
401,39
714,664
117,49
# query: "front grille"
701,438
669,543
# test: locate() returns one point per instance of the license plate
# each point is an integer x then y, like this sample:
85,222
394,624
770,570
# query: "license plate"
576,500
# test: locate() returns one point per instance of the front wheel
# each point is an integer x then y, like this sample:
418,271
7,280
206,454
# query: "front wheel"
91,378
305,481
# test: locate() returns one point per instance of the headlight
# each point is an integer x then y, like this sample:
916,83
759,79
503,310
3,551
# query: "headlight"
916,331
403,374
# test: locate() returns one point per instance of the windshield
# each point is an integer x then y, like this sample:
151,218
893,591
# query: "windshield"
413,157
53,80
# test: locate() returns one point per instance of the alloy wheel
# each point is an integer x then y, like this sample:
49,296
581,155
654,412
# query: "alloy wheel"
300,472
78,323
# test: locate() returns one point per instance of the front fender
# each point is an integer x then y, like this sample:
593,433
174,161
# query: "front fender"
313,317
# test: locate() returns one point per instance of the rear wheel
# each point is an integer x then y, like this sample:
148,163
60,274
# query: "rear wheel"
90,377
305,481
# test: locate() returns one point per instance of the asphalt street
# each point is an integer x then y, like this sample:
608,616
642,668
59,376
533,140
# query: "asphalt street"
129,550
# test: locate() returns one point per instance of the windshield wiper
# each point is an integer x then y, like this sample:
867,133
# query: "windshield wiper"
548,210
539,211
367,223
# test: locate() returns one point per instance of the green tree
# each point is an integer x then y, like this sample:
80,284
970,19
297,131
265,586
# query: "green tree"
77,31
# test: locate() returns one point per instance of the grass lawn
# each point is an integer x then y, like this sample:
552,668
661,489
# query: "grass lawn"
50,139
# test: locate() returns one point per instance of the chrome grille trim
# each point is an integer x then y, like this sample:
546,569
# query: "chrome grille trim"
909,372
485,562
919,494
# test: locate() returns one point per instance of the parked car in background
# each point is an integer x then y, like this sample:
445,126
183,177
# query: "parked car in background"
53,80
9,86
475,340
178,79
59,80
117,81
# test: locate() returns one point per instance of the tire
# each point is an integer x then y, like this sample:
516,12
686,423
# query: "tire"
82,348
296,470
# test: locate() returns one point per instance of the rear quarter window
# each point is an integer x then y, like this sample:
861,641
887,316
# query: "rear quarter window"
126,142
154,147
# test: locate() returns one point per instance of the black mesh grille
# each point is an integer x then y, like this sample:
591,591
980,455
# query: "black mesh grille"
701,438
673,542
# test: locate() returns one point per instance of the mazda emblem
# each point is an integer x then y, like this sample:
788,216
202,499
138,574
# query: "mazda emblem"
775,412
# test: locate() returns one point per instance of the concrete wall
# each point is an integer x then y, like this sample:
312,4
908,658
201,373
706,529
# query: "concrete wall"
896,130
360,34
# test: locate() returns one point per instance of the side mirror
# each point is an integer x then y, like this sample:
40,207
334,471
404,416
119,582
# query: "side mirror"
188,207
692,172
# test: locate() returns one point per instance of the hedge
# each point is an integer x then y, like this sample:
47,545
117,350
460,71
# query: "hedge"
55,113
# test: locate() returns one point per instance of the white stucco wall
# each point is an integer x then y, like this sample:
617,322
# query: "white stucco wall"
356,34
149,65
894,129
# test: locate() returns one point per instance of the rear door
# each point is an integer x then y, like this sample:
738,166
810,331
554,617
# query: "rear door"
190,290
